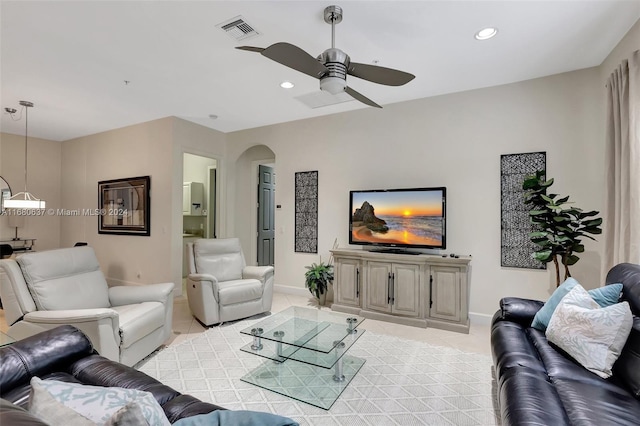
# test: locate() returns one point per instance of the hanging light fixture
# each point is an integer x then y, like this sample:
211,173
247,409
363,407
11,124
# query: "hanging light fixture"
24,200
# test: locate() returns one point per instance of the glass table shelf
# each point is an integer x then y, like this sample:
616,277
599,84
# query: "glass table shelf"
304,382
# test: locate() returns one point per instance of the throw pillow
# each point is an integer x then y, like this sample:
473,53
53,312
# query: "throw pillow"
99,403
591,335
47,408
18,415
129,415
236,418
604,296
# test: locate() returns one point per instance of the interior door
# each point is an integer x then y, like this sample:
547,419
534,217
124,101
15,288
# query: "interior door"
266,222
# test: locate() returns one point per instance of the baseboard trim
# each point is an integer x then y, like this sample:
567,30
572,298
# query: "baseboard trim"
480,319
296,291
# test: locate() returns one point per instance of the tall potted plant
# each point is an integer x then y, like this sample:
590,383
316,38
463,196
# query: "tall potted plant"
317,280
560,228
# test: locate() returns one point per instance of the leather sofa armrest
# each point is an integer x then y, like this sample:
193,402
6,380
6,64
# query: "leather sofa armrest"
41,354
130,294
518,310
256,272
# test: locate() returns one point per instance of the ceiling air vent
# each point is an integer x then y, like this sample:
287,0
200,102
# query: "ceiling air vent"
238,29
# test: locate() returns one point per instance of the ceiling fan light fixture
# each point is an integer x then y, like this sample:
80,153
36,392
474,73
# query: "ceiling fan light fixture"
287,85
333,85
486,33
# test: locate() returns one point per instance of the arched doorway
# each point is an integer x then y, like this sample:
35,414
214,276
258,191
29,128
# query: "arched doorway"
255,204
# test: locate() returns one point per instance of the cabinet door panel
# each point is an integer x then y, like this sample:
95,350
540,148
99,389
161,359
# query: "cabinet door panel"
445,293
377,281
406,288
347,282
186,198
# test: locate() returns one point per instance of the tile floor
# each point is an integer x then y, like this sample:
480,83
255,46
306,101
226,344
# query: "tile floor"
478,339
186,327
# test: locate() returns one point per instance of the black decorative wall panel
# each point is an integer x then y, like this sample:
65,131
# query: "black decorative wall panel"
306,237
516,247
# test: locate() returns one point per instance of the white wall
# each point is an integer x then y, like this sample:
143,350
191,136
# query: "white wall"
43,181
199,140
454,141
138,150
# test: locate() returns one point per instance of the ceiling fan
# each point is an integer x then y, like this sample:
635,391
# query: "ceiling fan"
332,66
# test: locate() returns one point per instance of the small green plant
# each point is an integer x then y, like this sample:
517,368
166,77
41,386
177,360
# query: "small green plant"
560,228
318,277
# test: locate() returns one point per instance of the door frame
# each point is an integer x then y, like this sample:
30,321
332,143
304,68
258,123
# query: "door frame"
253,256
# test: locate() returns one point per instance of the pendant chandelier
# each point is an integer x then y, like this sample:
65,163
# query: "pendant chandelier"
24,200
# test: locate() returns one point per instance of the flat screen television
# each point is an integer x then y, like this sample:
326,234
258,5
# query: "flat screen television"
398,219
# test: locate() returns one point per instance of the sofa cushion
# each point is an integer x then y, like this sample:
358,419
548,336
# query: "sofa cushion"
99,403
627,367
221,258
65,279
557,362
238,291
597,403
139,320
604,296
593,336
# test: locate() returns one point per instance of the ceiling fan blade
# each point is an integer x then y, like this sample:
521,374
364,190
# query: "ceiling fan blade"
380,75
360,97
296,58
251,48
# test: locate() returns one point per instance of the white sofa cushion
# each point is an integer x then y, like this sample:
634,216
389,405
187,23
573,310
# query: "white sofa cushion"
139,320
65,279
221,258
238,291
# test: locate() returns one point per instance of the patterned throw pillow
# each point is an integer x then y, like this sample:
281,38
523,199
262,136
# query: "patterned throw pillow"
591,335
604,296
97,403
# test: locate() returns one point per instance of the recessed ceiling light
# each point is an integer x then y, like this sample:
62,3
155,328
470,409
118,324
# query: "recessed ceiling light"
486,33
287,85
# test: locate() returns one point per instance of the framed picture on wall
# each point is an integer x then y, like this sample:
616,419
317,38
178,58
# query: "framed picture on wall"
125,207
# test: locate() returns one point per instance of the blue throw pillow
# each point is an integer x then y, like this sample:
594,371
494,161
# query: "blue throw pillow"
607,295
604,296
236,418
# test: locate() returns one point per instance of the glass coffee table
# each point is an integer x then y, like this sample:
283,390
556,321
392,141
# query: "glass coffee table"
6,340
306,354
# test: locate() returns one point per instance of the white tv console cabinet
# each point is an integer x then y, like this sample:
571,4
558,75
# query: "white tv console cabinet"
419,290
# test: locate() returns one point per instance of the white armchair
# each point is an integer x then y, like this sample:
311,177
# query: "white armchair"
220,287
46,289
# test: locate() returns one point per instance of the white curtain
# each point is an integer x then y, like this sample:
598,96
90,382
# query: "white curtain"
622,209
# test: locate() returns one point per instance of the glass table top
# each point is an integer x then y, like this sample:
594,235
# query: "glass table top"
312,329
5,340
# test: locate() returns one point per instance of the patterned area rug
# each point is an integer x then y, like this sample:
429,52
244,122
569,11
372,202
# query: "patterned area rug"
403,382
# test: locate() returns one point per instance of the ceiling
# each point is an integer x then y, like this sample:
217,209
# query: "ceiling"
72,58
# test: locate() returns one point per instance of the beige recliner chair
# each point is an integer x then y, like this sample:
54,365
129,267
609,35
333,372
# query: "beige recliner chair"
43,290
220,287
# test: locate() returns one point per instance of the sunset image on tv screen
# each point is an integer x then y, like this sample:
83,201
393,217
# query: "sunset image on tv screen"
398,217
